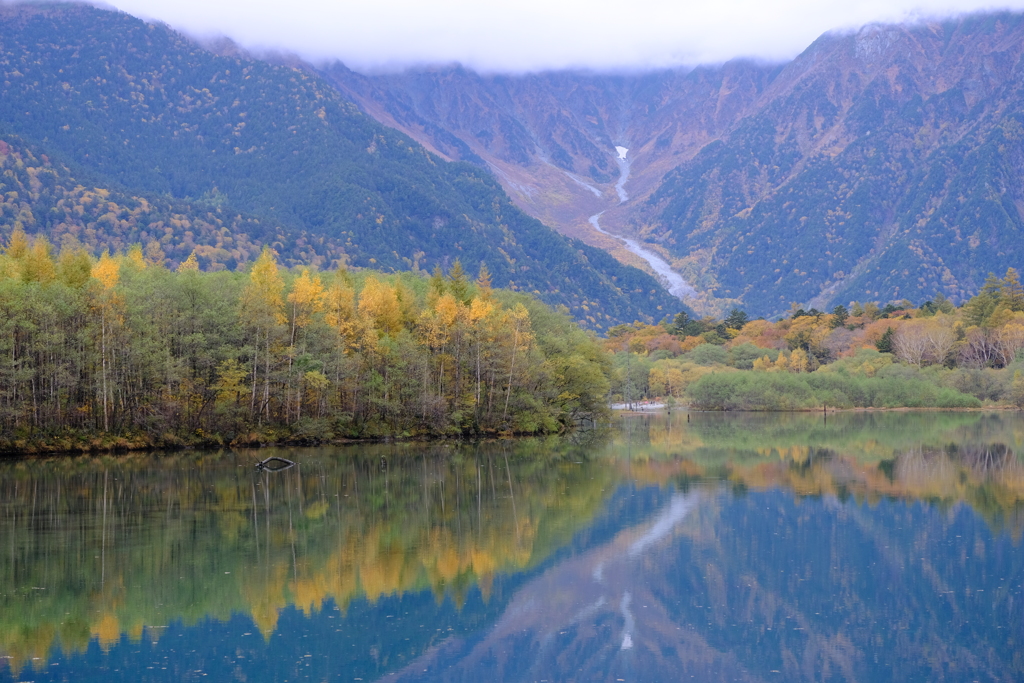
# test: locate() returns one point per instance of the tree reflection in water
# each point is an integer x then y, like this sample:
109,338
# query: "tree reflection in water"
869,547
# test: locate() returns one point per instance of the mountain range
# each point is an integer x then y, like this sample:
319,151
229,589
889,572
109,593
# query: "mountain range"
878,165
114,131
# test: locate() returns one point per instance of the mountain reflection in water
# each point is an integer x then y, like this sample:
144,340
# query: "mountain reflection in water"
733,547
599,596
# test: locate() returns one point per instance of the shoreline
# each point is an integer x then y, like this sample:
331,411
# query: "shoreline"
123,445
655,408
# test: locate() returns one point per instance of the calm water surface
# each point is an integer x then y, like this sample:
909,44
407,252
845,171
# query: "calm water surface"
867,547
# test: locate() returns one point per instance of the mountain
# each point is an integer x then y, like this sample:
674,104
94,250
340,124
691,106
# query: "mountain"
551,138
225,154
877,165
881,165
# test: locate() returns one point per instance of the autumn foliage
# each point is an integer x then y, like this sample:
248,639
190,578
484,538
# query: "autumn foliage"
121,345
931,355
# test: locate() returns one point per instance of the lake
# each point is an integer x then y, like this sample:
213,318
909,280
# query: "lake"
711,547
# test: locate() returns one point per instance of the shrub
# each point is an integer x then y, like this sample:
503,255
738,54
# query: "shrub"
708,354
783,391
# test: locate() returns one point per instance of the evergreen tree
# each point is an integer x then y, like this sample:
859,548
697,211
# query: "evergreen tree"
980,307
483,282
839,316
884,344
1012,292
736,319
458,282
679,323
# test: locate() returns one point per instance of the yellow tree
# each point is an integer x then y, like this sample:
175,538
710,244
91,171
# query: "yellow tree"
434,331
447,316
378,303
658,381
19,244
305,299
191,264
107,272
480,318
798,361
382,316
37,265
676,382
520,331
808,333
339,306
262,309
15,252
230,385
135,257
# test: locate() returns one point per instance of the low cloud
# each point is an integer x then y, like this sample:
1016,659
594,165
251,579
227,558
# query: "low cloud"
532,35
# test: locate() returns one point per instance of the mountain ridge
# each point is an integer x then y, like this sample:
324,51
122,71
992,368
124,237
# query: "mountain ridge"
747,134
143,111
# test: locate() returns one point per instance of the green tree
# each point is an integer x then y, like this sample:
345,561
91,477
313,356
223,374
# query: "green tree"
736,319
1017,389
1012,292
942,304
884,343
980,307
458,282
839,316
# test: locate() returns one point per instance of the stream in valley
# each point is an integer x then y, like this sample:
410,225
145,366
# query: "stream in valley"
673,281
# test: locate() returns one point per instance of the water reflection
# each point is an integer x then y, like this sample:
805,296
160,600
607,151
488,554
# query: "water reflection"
97,548
757,547
595,604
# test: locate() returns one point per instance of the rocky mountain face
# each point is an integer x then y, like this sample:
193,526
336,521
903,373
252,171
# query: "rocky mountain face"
551,138
877,165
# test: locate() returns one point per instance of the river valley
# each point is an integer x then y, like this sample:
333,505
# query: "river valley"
672,280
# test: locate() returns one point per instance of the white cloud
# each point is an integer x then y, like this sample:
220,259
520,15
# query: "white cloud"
526,35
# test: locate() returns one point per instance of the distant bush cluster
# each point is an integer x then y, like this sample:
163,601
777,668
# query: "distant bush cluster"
866,356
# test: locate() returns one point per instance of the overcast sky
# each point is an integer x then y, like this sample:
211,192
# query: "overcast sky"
530,35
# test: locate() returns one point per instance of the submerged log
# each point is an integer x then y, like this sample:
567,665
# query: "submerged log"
274,464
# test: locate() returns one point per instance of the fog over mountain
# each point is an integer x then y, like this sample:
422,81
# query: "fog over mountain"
531,35
879,164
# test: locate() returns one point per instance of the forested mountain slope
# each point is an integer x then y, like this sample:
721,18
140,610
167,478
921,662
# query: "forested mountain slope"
235,153
878,165
882,165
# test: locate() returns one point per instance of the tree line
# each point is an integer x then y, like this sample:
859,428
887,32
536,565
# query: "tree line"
866,355
121,346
